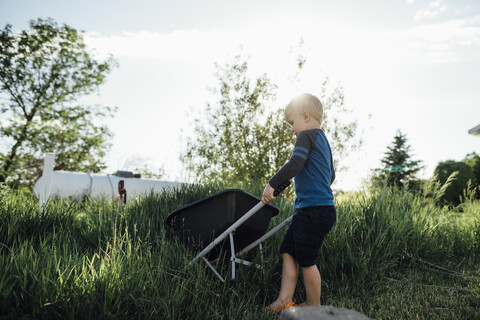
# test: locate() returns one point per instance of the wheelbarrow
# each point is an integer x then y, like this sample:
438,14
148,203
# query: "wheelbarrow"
206,224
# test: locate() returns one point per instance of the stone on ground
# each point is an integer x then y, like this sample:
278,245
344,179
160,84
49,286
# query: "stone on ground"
321,313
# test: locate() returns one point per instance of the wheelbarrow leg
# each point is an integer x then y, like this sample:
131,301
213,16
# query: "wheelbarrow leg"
232,255
213,269
260,247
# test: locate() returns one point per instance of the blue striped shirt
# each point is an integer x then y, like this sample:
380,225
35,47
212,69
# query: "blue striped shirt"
311,164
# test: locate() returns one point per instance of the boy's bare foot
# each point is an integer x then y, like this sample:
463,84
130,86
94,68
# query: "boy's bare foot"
279,305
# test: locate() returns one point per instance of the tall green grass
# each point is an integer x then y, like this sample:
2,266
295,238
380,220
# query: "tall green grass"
96,259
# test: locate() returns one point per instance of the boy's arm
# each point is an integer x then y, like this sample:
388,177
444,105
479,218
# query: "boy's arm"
287,172
291,168
299,156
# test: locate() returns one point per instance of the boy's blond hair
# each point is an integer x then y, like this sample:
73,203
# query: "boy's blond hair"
305,102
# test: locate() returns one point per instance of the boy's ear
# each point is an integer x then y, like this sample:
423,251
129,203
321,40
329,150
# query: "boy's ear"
306,116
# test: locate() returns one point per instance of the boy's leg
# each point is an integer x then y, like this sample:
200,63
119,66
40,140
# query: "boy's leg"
313,285
315,223
289,281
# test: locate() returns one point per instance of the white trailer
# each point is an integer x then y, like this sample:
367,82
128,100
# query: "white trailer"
77,185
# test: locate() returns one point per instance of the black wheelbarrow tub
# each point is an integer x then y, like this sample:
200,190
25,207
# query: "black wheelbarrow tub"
201,222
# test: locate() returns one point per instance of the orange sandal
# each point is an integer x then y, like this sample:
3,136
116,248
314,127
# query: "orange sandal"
288,305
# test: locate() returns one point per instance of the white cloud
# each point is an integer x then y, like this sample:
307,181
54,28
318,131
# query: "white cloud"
179,44
434,9
450,41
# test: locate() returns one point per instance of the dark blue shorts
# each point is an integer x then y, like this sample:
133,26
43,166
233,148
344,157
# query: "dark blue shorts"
305,235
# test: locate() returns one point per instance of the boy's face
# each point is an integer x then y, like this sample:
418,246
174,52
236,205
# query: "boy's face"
298,122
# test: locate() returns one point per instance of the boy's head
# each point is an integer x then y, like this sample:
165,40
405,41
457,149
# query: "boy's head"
304,104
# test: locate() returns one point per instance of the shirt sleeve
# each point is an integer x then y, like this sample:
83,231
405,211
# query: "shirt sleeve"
302,148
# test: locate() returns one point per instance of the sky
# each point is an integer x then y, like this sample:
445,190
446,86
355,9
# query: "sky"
408,65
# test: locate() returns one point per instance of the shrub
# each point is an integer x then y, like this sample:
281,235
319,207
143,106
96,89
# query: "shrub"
459,185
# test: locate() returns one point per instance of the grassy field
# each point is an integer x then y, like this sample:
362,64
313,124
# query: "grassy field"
391,255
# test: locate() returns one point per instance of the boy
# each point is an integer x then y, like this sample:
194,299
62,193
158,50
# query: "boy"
312,166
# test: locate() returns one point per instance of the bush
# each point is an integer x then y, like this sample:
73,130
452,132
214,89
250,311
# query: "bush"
473,160
459,185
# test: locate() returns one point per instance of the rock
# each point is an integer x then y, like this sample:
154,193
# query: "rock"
321,313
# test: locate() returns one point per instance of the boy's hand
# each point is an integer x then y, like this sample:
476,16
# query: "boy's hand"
267,196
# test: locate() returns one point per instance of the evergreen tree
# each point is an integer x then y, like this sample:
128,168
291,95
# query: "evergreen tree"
398,167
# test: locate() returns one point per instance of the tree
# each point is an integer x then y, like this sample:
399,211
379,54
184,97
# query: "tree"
237,141
463,177
398,168
342,133
232,144
43,71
